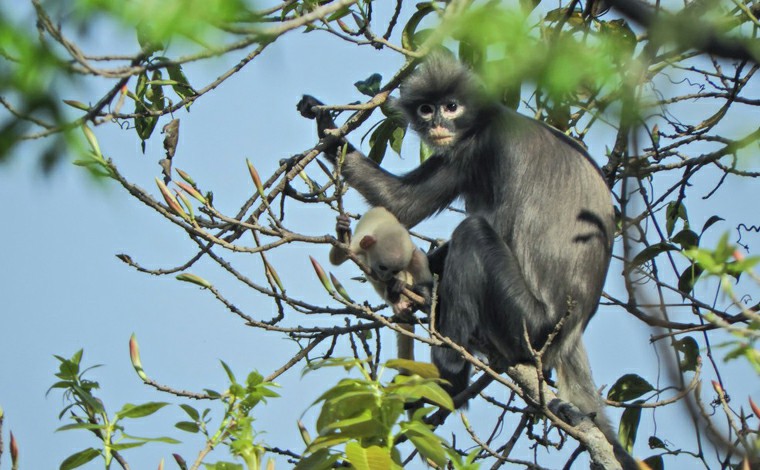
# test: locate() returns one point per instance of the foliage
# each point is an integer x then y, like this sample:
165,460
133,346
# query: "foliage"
88,413
664,90
366,415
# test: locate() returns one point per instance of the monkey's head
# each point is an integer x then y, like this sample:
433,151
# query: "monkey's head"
387,254
440,101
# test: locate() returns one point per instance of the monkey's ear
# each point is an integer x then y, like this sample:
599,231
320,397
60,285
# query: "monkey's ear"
367,241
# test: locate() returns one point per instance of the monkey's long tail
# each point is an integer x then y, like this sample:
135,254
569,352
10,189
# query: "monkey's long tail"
576,386
405,344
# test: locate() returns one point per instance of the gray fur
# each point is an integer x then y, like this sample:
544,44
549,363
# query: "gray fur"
537,238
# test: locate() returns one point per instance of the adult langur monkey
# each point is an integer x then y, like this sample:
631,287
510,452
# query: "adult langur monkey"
535,246
384,245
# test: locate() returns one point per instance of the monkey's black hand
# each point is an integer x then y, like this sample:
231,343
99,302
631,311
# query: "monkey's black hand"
393,290
324,118
437,258
325,121
306,106
343,228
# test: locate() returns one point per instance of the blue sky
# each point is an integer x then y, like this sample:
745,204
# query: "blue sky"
63,289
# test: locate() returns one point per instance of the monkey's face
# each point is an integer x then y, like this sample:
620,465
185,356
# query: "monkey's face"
387,260
436,122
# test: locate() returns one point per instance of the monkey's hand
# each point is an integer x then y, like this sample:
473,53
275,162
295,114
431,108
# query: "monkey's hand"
306,107
325,121
425,293
343,228
406,298
393,290
437,258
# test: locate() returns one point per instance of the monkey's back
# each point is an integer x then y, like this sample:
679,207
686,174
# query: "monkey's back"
553,209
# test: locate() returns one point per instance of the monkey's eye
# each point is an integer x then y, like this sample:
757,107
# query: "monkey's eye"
382,268
451,106
425,111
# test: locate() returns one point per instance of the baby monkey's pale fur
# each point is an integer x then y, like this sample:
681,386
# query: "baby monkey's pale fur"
384,245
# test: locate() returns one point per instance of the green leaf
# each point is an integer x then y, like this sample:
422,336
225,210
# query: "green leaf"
144,125
397,139
191,412
712,220
326,442
706,259
629,387
343,388
425,370
140,411
689,277
165,440
126,445
369,458
426,442
471,54
155,92
689,348
675,210
93,403
182,88
686,238
141,86
425,152
339,14
735,268
79,459
408,34
436,394
650,252
370,86
227,370
87,426
224,466
379,139
724,250
362,425
413,389
187,426
319,460
629,425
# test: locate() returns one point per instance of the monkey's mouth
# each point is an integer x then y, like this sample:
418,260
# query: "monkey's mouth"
441,139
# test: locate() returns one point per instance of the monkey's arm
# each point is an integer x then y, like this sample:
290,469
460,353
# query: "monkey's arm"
413,197
343,231
429,188
324,121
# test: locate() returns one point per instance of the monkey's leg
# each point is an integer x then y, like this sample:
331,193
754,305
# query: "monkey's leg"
483,290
